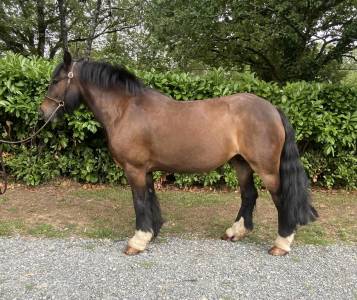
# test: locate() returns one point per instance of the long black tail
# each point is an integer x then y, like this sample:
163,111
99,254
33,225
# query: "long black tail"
294,195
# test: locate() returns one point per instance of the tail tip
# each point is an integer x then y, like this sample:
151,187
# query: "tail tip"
314,213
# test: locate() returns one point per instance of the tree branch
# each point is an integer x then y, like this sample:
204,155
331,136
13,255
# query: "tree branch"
287,20
266,60
318,56
82,39
350,56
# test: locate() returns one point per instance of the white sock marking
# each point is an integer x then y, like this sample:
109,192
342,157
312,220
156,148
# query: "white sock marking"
237,230
140,240
284,243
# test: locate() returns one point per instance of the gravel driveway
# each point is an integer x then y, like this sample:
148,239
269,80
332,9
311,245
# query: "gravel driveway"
176,269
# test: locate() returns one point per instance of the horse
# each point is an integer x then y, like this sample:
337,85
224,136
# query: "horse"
148,131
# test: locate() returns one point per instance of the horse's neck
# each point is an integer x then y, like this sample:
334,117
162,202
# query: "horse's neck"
106,106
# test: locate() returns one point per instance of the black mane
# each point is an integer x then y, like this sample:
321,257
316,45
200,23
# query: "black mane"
57,70
106,76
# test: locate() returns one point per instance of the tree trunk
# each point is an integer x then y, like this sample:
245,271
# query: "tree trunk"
41,27
63,30
93,27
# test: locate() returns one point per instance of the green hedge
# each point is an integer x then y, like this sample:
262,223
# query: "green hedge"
324,116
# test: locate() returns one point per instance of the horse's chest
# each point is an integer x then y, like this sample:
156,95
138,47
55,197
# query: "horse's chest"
126,150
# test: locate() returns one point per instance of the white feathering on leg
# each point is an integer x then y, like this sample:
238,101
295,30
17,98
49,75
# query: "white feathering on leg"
284,243
237,230
140,240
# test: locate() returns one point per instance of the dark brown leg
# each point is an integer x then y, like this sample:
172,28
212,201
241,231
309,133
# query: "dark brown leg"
157,220
285,232
143,210
244,221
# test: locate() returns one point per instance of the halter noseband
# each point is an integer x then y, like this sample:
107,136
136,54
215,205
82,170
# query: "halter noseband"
60,102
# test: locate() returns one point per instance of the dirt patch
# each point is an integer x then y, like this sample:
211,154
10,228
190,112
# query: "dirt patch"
70,209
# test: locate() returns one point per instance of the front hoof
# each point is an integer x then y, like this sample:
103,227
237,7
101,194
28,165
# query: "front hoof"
233,238
275,251
131,251
225,237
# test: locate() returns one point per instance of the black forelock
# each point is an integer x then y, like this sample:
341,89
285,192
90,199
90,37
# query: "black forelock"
105,75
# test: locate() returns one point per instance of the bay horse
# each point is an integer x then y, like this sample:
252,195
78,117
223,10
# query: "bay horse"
148,131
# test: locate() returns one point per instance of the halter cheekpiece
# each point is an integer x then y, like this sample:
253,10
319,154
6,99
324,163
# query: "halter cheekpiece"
60,102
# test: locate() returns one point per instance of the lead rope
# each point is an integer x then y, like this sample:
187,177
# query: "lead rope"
60,103
3,187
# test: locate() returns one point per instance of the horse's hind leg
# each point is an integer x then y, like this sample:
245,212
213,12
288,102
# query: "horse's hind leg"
286,231
244,221
285,228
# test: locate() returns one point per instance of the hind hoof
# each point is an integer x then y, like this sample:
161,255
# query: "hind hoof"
275,251
131,251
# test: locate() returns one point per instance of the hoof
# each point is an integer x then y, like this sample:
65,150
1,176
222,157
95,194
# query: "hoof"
225,237
234,238
131,251
275,251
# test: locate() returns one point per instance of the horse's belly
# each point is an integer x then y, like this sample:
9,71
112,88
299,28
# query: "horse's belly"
197,156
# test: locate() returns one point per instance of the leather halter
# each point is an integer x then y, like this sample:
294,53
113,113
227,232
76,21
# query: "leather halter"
60,102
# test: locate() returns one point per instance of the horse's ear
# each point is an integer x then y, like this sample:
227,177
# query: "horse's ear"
67,58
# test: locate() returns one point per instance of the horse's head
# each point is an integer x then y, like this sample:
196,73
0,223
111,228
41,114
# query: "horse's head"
63,94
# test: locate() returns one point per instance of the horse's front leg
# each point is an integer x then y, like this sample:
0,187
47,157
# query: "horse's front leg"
144,217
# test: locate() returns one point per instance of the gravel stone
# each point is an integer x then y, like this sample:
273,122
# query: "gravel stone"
33,268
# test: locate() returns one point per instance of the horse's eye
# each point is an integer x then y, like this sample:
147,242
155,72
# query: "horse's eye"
54,81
